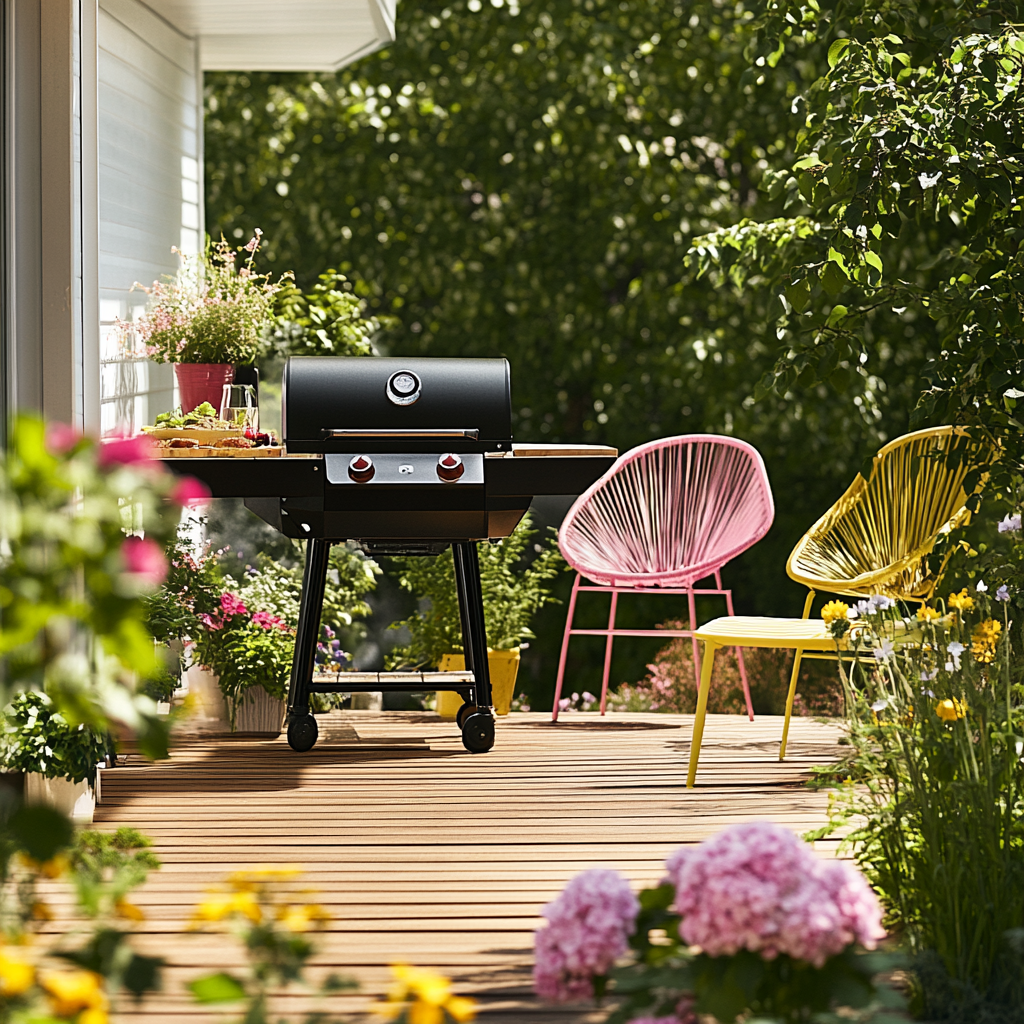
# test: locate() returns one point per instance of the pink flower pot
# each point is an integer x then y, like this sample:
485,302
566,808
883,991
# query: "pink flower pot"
202,382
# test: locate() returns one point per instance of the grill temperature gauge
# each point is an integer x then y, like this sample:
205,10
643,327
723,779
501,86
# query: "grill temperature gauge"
361,469
450,467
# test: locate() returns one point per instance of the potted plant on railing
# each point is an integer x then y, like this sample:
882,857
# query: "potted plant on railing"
208,319
513,592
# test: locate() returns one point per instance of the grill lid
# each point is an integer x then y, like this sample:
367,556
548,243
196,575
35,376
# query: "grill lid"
339,403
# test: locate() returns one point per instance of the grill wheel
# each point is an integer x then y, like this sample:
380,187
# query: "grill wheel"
302,733
478,732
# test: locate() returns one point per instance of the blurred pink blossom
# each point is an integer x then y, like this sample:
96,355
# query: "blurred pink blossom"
209,622
188,491
232,604
756,886
145,559
587,931
124,450
61,438
268,621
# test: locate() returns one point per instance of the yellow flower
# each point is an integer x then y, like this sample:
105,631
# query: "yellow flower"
73,991
246,881
16,976
426,996
962,602
834,610
217,909
950,710
128,911
298,919
52,868
926,614
984,640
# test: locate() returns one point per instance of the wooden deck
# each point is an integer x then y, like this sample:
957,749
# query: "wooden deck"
426,854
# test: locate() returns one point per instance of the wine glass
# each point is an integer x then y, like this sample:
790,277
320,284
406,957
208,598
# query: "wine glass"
238,407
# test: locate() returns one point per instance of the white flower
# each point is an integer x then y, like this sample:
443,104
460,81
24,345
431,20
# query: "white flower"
882,603
1003,593
927,693
928,180
884,653
927,677
864,608
879,705
1010,524
981,588
853,614
955,650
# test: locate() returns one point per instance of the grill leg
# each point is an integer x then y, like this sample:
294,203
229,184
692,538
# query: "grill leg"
314,580
471,610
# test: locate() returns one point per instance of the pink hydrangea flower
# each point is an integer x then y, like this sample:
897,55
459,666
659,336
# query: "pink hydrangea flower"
232,604
61,438
144,559
125,451
588,927
189,491
757,886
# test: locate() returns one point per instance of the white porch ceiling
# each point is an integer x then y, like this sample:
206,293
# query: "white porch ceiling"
281,35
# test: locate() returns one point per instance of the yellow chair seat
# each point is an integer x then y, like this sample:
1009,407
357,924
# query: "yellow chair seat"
758,631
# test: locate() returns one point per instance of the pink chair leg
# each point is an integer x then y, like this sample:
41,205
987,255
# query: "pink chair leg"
739,652
693,629
608,651
565,647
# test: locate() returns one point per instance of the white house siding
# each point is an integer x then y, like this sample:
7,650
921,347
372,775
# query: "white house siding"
150,196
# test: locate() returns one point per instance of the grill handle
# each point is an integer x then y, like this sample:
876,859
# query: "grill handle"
387,433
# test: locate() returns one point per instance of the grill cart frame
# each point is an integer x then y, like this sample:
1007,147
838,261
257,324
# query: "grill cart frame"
403,457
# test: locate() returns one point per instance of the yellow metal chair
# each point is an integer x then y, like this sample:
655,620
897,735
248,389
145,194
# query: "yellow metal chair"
876,539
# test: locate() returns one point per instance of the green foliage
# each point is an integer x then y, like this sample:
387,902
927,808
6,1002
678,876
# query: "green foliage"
212,312
106,867
936,797
38,738
513,592
905,195
524,181
74,619
328,321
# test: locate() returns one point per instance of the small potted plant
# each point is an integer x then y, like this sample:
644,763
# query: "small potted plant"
208,319
513,592
59,759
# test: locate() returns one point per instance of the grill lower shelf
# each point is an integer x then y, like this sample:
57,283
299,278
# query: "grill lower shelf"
390,682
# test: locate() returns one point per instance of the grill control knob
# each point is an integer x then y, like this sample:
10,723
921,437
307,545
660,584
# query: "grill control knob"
361,469
450,467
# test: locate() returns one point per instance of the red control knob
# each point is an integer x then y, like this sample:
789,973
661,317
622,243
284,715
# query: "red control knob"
450,467
361,469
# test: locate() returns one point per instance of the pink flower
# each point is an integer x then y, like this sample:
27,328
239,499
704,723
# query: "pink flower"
588,927
757,886
232,604
61,438
189,491
209,622
145,559
125,450
268,621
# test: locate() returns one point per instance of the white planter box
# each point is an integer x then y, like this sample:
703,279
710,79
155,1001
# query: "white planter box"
75,799
210,711
259,712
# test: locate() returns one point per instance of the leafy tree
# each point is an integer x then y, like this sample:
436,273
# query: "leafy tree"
906,194
525,182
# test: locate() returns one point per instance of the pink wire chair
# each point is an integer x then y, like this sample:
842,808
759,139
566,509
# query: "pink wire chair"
668,514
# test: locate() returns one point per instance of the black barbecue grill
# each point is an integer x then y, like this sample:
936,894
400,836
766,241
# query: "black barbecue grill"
404,456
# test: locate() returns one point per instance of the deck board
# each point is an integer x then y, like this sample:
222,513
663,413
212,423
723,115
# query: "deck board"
424,853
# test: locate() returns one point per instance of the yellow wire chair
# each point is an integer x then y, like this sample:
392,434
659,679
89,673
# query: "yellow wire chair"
876,539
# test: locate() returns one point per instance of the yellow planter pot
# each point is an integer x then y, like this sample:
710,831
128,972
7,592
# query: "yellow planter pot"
503,666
